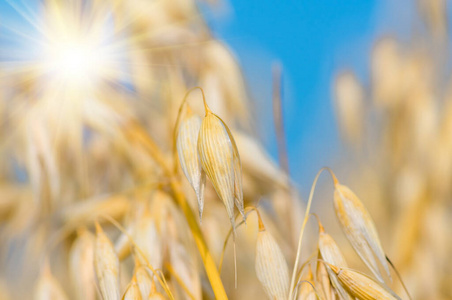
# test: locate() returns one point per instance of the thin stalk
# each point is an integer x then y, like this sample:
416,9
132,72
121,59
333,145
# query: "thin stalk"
278,118
278,121
251,208
220,265
306,217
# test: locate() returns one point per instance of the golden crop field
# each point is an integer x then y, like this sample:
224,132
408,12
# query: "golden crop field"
130,169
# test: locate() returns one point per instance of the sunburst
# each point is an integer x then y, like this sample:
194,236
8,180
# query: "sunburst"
65,78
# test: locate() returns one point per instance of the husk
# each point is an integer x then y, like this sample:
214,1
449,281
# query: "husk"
361,286
106,264
219,159
271,266
359,229
187,149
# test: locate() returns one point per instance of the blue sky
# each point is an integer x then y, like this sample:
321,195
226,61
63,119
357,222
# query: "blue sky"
313,40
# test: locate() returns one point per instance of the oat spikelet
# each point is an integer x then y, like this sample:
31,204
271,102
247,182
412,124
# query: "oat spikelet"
307,287
47,287
81,258
386,69
271,266
361,286
359,228
148,240
187,141
106,264
220,160
144,233
349,96
331,253
323,282
156,296
238,189
329,249
133,291
145,283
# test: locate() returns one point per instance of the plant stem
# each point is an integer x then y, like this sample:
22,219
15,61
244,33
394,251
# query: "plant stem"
306,217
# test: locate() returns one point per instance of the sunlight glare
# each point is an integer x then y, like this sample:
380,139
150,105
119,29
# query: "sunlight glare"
75,61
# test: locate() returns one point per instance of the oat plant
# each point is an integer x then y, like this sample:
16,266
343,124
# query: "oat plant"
129,163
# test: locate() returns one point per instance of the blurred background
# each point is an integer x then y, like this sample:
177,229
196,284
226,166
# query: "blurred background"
314,41
366,91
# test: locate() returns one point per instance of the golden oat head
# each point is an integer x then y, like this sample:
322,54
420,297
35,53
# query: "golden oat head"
156,296
48,286
220,160
323,282
145,283
362,286
359,229
142,232
349,102
187,149
133,291
271,266
331,253
307,287
386,68
106,264
81,260
148,240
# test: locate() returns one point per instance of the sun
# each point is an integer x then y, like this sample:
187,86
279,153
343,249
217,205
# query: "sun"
67,77
75,56
75,60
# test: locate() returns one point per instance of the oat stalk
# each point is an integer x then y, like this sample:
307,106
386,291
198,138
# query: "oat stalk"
305,220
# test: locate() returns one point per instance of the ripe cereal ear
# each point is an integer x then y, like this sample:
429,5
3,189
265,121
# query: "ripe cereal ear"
359,229
323,282
331,253
133,291
349,102
271,266
145,283
238,190
48,286
216,154
106,264
81,258
307,287
187,149
362,286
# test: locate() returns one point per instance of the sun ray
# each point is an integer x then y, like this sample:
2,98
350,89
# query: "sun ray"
30,19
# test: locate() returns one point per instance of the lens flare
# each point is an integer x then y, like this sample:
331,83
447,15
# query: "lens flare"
74,61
